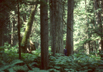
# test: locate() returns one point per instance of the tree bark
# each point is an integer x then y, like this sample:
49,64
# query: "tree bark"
19,31
56,15
69,43
59,26
44,34
53,25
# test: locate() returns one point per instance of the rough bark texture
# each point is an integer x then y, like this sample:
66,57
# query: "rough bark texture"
28,30
69,43
44,34
52,25
59,26
56,13
19,31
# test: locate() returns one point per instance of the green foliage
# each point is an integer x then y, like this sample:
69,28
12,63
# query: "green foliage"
7,51
20,68
37,52
77,62
28,58
9,59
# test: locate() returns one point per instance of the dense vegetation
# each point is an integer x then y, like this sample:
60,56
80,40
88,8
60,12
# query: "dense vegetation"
34,34
31,62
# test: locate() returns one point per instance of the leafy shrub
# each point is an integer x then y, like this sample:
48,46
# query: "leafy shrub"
37,52
76,62
28,58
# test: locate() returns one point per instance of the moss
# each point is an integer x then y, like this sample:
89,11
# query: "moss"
25,39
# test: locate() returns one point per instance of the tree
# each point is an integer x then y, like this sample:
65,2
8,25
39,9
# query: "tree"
44,33
56,26
87,45
5,8
19,31
28,30
69,43
98,17
53,25
59,26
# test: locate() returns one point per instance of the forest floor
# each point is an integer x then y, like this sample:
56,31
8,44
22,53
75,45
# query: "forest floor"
9,62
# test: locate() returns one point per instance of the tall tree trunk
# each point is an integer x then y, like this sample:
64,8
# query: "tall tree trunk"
56,14
19,31
52,25
13,39
28,30
44,34
101,22
12,35
100,2
69,43
87,47
59,26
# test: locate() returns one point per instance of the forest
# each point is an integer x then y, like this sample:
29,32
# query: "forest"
51,35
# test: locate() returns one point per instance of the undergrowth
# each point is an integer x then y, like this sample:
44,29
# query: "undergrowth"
80,62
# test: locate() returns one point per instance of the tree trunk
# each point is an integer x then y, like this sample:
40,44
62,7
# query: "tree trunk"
44,34
56,14
1,36
87,31
101,22
28,30
19,31
98,5
69,43
59,26
52,25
